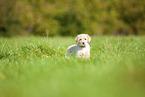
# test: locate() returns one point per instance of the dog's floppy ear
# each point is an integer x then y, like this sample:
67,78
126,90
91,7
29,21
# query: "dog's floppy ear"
89,38
76,39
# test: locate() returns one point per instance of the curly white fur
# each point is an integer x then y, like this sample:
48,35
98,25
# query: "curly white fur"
82,49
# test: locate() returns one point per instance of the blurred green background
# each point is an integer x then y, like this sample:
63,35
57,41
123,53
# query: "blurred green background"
71,17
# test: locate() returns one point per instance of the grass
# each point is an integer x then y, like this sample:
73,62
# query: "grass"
36,67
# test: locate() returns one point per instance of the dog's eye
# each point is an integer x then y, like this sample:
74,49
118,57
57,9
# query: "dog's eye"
85,39
80,39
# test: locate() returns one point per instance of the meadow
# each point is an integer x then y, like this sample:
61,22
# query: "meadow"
37,67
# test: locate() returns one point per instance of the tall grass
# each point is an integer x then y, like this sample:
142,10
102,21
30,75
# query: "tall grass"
36,67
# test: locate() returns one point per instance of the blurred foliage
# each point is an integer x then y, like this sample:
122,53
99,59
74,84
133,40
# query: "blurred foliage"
71,17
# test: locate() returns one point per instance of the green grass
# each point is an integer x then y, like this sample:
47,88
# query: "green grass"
37,67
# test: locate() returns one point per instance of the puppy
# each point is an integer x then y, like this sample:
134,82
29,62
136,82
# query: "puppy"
82,49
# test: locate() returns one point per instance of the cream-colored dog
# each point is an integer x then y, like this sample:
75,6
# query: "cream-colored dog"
82,49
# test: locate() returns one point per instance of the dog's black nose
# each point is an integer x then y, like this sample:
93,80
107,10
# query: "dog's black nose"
83,43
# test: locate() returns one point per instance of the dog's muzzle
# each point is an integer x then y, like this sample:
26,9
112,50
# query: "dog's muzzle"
82,44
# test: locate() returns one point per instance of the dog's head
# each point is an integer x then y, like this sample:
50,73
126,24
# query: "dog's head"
82,39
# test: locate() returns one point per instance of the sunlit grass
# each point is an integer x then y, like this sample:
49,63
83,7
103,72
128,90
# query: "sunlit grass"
36,67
